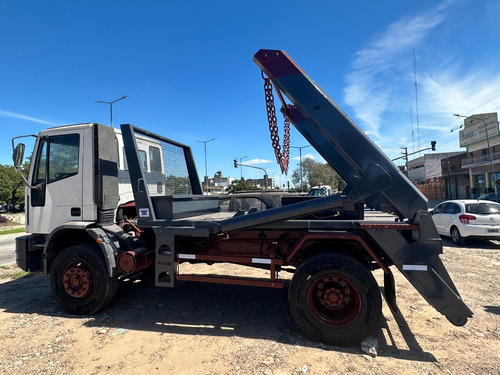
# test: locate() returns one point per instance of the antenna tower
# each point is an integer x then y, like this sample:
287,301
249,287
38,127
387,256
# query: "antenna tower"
412,131
416,96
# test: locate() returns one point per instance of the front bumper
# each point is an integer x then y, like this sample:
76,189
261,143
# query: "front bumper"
29,257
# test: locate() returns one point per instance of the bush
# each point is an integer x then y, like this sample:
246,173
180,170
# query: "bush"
3,219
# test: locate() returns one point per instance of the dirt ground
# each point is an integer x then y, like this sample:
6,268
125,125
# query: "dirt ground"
216,329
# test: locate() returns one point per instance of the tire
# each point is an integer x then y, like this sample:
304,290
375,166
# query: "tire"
456,237
79,280
334,299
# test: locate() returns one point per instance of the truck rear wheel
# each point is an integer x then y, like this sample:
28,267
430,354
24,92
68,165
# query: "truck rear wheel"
335,299
79,280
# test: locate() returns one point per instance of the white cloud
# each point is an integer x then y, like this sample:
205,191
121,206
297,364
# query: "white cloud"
377,69
306,156
455,92
24,117
256,161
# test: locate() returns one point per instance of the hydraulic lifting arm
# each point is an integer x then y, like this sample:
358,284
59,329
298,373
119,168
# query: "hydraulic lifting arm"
352,154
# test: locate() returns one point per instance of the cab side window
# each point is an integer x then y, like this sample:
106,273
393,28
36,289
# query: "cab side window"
58,158
155,159
63,157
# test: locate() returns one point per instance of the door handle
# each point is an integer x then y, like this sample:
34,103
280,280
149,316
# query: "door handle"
140,185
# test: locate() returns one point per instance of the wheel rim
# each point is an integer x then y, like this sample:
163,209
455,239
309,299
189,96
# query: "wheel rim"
455,235
334,300
78,281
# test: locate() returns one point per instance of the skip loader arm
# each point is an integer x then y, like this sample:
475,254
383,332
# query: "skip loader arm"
352,154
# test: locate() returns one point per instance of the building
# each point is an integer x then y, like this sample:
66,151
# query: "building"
456,179
216,185
263,183
481,136
427,167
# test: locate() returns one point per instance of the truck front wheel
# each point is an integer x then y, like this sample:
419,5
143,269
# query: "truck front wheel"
335,299
79,280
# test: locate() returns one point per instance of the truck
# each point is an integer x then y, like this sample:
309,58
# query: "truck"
87,232
320,190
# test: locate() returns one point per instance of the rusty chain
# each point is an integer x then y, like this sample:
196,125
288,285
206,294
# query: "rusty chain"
281,157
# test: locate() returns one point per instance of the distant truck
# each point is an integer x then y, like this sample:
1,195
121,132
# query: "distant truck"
88,232
320,191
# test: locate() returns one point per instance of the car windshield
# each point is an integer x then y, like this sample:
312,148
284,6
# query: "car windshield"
482,208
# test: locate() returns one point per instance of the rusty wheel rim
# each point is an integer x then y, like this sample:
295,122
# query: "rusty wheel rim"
334,301
78,281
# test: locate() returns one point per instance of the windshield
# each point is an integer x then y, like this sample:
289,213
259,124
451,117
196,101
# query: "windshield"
482,208
316,192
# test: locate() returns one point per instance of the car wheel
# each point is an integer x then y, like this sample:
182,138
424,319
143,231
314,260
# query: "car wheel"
456,237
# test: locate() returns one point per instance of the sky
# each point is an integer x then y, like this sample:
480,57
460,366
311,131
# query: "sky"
399,69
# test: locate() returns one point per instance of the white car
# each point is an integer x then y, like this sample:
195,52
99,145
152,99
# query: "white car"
467,218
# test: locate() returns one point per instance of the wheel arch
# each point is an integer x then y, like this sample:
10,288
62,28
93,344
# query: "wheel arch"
77,234
459,239
351,244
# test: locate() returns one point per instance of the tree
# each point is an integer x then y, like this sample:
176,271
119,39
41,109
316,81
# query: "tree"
240,185
314,173
177,185
11,186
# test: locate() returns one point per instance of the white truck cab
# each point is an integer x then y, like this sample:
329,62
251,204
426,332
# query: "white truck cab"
64,156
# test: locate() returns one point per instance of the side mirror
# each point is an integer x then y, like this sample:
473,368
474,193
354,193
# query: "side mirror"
18,155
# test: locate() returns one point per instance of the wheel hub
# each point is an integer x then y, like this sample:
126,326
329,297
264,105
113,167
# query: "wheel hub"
333,297
333,293
334,300
77,281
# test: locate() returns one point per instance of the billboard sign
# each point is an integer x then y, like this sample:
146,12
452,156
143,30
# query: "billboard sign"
475,131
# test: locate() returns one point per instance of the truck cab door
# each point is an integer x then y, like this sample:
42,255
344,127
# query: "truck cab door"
56,179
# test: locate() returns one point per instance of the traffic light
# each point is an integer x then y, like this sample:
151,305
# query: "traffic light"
433,145
235,163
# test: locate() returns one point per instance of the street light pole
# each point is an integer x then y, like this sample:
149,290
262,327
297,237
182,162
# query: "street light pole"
489,149
300,161
206,173
241,166
111,107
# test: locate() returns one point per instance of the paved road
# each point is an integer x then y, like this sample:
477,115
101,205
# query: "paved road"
8,247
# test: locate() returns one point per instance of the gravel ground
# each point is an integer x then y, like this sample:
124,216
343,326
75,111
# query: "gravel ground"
216,329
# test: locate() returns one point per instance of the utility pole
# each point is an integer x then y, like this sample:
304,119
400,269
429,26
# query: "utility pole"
206,173
405,155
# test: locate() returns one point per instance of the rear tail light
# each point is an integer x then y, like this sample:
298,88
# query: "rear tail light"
464,219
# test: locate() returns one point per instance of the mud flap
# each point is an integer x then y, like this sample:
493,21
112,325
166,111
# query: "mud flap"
390,290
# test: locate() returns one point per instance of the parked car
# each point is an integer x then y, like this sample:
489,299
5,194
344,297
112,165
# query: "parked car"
490,197
467,218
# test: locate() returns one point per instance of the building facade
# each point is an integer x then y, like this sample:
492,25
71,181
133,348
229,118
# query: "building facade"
427,167
456,179
216,185
263,183
481,136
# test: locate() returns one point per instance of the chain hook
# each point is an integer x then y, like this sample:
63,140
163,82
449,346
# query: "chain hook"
281,157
